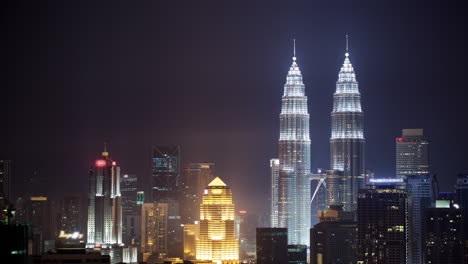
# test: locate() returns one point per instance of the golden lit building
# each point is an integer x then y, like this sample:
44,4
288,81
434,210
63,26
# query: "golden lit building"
191,234
217,240
154,229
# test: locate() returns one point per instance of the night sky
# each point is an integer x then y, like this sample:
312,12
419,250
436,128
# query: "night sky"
209,75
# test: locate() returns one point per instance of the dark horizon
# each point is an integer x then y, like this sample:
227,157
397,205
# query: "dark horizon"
209,76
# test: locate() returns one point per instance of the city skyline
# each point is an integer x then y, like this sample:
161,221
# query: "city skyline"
56,106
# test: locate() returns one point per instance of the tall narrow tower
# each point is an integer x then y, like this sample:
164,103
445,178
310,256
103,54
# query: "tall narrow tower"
294,159
105,203
347,136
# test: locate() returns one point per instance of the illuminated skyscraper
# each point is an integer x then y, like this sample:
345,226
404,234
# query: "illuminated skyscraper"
217,240
347,137
104,208
274,168
294,159
412,157
154,229
131,211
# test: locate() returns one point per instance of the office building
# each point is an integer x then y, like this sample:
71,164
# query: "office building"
294,159
318,190
274,172
272,245
154,218
347,136
41,217
191,234
72,221
195,177
382,218
165,170
217,241
297,254
422,192
104,203
130,209
246,224
412,153
333,240
444,235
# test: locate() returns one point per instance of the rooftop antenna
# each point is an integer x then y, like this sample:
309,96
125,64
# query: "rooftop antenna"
294,49
105,153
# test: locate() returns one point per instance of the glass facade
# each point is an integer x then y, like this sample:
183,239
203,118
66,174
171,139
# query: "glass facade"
294,160
165,169
347,139
412,156
274,168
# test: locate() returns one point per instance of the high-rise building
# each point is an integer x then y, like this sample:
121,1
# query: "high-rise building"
333,240
246,223
105,205
444,235
41,217
347,136
191,234
412,153
72,220
272,245
382,217
461,197
334,184
294,159
217,240
131,218
5,183
422,192
165,169
154,218
195,177
274,169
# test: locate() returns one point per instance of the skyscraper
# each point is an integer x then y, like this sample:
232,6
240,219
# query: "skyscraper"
104,208
131,211
5,188
165,169
72,220
195,177
412,153
154,229
347,136
274,169
217,240
422,190
294,159
382,218
461,198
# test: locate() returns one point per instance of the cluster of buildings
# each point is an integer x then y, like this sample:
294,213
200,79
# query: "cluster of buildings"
185,214
345,214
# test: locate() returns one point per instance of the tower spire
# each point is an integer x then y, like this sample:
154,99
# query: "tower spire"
105,153
347,43
294,49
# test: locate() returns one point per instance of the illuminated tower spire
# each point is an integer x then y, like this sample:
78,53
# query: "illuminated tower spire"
294,159
347,137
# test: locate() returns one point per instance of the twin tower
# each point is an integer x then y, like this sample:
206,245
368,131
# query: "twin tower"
291,182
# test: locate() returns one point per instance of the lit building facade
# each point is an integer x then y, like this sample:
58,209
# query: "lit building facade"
422,191
191,234
104,207
154,229
72,220
274,169
444,239
217,240
165,170
347,137
412,153
294,159
195,177
382,217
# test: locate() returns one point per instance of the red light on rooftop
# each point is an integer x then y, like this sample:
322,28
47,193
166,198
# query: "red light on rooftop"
399,139
114,163
100,163
242,212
